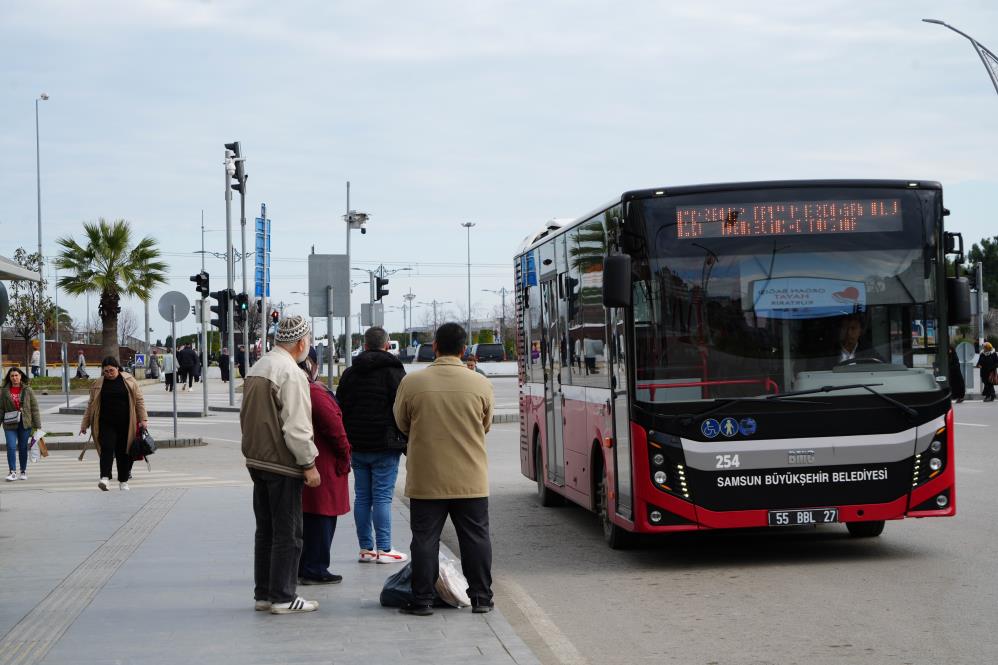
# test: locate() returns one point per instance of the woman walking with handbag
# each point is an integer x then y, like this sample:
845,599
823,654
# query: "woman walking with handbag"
987,362
321,505
116,410
20,417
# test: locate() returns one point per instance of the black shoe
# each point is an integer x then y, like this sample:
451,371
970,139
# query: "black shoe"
482,609
417,610
328,578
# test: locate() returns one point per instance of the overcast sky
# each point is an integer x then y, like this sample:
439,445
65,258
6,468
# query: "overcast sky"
502,113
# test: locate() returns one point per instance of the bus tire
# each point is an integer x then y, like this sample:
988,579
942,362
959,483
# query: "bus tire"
545,495
865,529
615,536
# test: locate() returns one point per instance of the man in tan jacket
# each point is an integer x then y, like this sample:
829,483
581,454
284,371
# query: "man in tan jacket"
446,412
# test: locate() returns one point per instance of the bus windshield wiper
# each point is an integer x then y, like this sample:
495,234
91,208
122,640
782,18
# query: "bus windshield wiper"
688,418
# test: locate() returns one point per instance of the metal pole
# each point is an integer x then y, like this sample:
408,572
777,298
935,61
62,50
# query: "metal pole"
468,226
348,351
229,278
173,337
980,304
147,330
55,286
41,259
204,354
242,221
65,370
264,314
329,335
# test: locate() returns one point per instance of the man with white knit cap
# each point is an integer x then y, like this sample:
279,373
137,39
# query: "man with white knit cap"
276,421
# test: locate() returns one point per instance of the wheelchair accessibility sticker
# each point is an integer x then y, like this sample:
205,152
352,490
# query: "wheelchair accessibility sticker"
710,428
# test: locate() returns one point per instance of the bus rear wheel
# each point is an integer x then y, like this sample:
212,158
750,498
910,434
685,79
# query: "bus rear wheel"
865,529
615,536
545,496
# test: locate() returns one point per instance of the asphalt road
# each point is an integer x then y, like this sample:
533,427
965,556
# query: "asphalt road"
923,592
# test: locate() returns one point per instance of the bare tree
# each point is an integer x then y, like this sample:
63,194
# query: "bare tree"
128,324
26,301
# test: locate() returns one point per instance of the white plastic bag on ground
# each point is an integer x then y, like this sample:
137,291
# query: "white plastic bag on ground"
451,585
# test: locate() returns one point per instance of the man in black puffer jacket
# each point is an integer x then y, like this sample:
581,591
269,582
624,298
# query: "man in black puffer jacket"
366,394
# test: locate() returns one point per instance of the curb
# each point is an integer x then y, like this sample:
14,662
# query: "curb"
160,443
226,408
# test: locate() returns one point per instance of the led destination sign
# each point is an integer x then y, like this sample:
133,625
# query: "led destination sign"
786,218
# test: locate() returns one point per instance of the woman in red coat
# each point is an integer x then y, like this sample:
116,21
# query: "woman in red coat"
321,505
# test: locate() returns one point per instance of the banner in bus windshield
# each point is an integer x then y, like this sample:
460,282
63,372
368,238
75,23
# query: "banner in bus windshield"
807,297
788,218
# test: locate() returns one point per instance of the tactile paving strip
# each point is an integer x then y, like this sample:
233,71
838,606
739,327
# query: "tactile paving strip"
43,626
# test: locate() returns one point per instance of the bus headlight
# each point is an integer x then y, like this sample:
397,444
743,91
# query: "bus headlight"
936,445
942,500
658,459
660,477
655,516
935,464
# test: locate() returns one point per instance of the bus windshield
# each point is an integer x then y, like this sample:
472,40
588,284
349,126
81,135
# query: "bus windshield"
750,294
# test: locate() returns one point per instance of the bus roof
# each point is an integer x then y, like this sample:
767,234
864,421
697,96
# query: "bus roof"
556,225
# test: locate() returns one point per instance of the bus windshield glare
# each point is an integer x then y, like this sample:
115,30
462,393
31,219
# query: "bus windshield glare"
745,294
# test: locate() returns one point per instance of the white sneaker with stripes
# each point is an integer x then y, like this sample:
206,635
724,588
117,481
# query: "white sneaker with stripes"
299,604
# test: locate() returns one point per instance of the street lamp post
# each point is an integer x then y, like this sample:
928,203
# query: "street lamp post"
434,304
354,220
989,59
468,226
41,257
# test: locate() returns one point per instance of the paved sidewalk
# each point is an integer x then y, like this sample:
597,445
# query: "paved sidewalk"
165,577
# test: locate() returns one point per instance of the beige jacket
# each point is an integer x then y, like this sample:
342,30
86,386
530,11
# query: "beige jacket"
446,410
136,412
276,416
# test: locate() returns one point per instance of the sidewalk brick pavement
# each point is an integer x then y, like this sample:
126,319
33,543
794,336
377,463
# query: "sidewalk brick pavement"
183,591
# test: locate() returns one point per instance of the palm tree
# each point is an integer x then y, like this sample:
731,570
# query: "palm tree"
111,266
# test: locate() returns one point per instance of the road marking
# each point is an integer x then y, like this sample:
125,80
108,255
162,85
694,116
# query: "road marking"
973,425
561,647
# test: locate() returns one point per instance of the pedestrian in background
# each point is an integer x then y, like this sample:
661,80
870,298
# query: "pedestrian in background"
446,411
81,366
366,394
187,361
36,361
276,422
957,386
223,364
987,362
241,360
116,410
323,504
20,417
197,366
154,366
169,371
472,364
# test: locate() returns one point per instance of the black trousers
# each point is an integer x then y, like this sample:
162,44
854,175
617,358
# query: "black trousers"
989,390
278,542
168,380
471,521
114,446
317,536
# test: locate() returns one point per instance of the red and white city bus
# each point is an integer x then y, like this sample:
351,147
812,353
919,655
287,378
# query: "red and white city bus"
742,355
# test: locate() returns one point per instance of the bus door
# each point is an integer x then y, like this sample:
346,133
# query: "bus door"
552,356
617,350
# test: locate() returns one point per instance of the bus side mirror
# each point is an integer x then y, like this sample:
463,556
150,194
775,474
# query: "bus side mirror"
617,280
957,301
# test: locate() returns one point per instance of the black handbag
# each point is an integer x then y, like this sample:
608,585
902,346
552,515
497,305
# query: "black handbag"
143,445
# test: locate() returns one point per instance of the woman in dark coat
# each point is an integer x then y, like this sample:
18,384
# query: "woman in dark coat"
987,362
957,385
321,505
223,364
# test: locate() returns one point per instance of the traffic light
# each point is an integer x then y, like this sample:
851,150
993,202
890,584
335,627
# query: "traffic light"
380,291
201,279
222,310
572,295
242,307
240,171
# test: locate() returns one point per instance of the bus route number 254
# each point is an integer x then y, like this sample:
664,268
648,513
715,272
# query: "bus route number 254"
727,461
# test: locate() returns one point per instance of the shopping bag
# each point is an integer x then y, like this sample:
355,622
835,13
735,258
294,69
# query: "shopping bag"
451,586
397,591
36,446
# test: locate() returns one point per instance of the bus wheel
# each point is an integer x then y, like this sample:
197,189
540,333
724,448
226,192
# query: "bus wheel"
616,537
547,498
865,529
